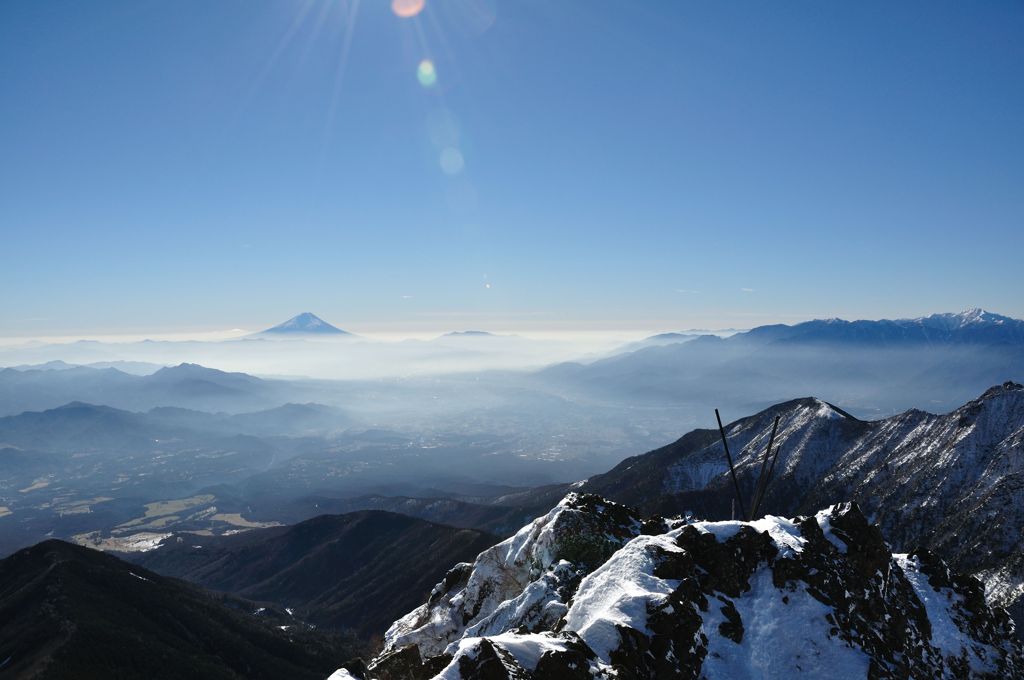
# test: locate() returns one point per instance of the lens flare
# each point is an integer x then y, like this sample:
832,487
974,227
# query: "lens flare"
426,73
451,161
407,9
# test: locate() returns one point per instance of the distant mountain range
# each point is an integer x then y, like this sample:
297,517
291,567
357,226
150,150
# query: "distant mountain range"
79,426
184,385
871,367
132,367
72,612
357,571
306,323
972,327
469,334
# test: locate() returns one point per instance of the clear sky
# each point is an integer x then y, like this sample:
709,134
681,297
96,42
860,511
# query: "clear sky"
210,164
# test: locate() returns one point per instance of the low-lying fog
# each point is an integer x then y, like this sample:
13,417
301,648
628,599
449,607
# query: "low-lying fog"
339,358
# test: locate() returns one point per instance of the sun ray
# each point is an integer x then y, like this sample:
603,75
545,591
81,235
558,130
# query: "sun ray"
318,25
446,47
293,29
339,73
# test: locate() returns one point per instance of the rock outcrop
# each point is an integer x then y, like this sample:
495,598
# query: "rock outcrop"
591,590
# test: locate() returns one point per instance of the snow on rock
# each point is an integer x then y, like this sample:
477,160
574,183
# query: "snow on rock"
589,591
618,593
342,674
522,581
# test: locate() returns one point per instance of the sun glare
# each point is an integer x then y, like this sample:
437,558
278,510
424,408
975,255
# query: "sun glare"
426,73
407,8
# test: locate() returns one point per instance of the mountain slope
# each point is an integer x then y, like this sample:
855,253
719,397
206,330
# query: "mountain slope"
357,571
69,612
590,591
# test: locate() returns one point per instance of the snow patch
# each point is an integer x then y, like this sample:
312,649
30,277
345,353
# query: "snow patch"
618,593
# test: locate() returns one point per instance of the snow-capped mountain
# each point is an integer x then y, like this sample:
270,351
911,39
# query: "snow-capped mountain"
970,327
592,591
307,323
953,483
972,317
871,367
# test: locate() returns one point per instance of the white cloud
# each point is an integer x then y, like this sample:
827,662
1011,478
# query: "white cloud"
746,290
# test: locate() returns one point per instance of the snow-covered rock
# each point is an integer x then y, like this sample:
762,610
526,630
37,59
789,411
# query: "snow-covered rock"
589,591
522,582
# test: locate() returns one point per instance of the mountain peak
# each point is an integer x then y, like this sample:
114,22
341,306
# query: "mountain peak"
469,333
998,390
307,322
187,369
197,372
975,316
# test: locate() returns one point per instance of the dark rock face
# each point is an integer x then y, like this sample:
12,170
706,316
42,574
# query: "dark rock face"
573,663
491,663
691,602
406,664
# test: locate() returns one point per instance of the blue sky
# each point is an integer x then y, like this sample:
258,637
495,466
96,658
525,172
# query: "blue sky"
206,164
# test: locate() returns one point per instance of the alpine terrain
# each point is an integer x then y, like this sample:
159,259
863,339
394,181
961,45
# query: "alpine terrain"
592,590
953,483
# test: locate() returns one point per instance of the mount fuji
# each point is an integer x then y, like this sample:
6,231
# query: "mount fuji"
306,323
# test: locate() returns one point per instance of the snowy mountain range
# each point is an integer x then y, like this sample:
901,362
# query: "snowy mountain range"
970,327
591,590
871,367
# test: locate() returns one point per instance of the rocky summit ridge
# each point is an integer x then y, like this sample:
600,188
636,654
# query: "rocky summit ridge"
592,590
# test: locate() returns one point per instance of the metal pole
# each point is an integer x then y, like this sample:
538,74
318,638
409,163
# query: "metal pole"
732,469
771,468
762,483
